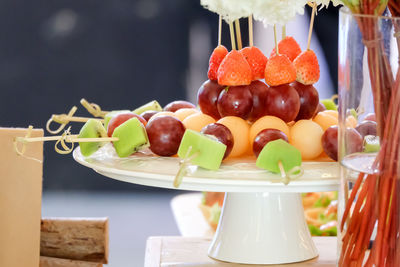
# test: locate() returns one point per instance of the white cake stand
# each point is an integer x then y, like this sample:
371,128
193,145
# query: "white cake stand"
262,220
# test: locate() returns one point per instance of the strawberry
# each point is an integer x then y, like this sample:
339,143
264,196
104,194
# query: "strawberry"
279,70
234,70
288,47
307,67
256,60
216,58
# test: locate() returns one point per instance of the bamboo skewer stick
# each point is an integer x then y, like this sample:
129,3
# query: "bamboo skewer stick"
283,31
238,34
66,137
251,41
219,29
276,41
314,10
232,32
93,108
64,119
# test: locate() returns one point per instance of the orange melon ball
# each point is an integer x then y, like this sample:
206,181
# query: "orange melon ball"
267,122
197,121
306,135
325,120
240,131
183,113
333,113
351,121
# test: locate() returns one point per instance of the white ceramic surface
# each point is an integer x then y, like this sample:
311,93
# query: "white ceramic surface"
262,228
235,176
262,221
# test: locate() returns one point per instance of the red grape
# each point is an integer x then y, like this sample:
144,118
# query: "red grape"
330,142
309,100
121,118
207,98
165,134
367,128
148,114
321,107
370,117
258,90
354,141
235,101
178,104
283,102
266,136
222,133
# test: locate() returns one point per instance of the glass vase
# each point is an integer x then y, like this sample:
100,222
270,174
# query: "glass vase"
368,140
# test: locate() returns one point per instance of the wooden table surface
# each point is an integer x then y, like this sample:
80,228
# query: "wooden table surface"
162,251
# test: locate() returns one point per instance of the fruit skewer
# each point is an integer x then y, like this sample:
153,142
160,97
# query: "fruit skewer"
127,138
64,119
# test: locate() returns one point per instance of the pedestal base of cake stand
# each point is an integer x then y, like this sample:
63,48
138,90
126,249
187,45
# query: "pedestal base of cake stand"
262,228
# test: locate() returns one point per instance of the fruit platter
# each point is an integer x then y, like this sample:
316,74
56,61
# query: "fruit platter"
258,132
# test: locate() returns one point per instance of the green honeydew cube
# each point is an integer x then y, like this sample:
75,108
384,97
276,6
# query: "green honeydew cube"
153,105
93,128
371,144
132,136
112,114
329,104
275,151
210,151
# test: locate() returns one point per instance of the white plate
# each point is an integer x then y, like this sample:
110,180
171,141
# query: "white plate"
234,176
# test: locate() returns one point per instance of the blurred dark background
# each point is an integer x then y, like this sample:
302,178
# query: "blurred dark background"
119,54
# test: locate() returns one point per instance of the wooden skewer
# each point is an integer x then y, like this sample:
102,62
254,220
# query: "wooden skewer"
66,137
276,41
93,108
64,119
285,178
283,31
219,29
314,10
251,41
183,164
238,34
232,32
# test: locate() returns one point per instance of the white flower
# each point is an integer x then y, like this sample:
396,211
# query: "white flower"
325,3
230,10
272,12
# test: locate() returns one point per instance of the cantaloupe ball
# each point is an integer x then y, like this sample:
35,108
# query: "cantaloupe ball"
183,113
306,135
267,122
351,121
197,121
163,113
333,113
325,120
240,131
